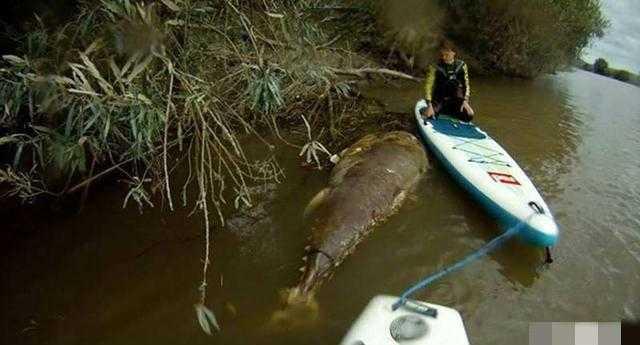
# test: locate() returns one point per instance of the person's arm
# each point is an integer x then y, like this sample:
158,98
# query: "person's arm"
467,86
429,83
467,92
428,91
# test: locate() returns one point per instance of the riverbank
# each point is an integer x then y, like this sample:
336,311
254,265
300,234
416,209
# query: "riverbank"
601,67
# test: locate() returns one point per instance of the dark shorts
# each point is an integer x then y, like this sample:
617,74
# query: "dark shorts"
451,107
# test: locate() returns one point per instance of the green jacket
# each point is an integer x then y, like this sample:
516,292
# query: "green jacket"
447,80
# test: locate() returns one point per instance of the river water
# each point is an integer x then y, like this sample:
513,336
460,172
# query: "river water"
114,276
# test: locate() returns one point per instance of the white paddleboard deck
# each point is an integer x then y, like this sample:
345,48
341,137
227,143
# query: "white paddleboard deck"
490,175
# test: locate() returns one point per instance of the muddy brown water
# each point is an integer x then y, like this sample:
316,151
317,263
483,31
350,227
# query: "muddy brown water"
113,276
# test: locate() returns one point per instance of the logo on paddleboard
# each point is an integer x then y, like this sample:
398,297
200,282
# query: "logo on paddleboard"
503,178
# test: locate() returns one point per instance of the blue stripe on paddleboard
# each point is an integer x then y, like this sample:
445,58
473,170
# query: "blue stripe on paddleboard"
451,127
528,234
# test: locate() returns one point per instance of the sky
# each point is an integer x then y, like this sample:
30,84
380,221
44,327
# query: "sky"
621,44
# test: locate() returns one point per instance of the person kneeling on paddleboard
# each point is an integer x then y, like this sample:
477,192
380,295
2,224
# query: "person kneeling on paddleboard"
447,87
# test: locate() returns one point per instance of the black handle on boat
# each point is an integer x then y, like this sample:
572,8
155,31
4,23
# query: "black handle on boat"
536,207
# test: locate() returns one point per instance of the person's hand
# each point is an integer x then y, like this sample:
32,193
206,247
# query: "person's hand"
429,111
467,107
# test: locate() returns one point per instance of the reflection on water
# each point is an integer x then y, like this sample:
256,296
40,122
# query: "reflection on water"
110,276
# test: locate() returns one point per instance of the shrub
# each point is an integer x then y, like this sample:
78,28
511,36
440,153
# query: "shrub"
524,37
622,75
601,66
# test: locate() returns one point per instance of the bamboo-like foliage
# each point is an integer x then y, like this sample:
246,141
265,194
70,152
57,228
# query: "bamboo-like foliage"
264,90
143,87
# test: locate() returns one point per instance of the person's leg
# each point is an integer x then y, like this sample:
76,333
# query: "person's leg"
437,106
462,115
465,116
447,107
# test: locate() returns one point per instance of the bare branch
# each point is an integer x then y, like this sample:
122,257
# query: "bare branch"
363,72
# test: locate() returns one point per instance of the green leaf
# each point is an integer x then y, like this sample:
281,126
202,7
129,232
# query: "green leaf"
114,68
104,85
172,5
304,149
133,59
9,139
92,120
43,129
83,92
206,318
18,155
111,7
175,22
15,60
139,68
107,126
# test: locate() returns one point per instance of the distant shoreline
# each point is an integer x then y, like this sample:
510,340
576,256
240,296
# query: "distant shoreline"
601,67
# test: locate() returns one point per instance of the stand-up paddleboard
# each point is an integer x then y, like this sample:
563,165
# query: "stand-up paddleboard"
490,175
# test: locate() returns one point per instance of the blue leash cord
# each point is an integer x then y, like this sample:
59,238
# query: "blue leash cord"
486,249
